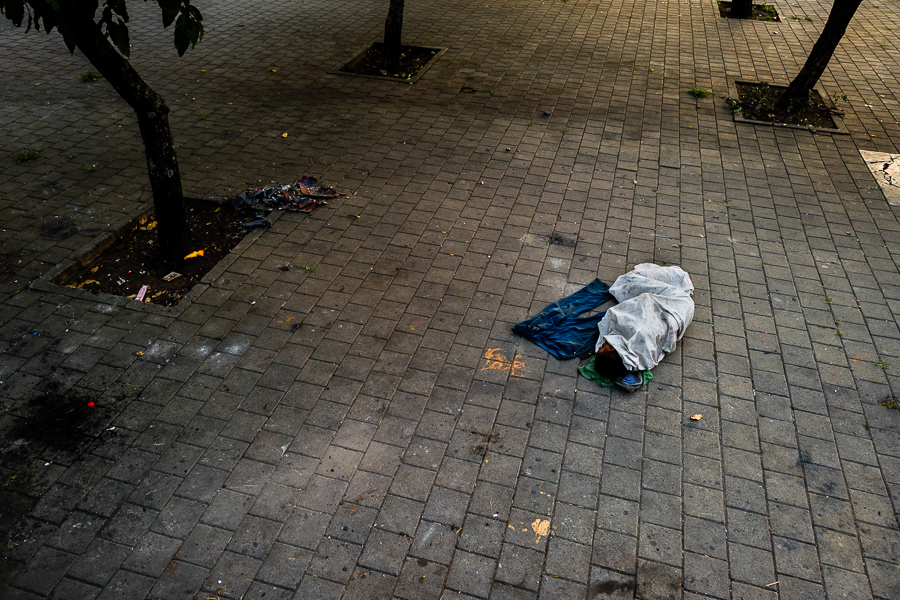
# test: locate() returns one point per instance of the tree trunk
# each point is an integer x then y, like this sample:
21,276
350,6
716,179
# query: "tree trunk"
798,92
153,120
741,9
393,29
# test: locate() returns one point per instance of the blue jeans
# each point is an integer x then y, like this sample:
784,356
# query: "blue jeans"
560,331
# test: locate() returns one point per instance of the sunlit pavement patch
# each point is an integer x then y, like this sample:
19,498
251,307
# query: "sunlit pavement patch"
886,170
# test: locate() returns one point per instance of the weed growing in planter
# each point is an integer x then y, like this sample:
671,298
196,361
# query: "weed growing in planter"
89,76
768,11
27,154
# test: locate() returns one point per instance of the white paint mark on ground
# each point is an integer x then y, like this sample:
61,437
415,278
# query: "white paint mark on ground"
886,170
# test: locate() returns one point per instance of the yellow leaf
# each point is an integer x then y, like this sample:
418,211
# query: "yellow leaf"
194,254
696,417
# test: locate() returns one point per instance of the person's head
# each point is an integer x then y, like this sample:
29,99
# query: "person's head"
608,363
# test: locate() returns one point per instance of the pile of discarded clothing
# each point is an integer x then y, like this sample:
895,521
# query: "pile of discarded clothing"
655,307
302,196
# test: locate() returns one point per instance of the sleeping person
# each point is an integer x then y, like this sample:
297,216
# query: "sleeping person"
655,307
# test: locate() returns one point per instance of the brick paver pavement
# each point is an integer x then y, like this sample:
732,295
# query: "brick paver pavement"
338,431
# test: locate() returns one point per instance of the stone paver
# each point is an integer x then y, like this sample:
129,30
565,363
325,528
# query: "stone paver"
337,431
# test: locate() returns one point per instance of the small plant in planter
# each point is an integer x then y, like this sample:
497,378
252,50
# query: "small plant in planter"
27,154
758,100
89,76
768,12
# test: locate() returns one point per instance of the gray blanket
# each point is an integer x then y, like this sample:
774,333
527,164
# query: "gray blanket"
655,307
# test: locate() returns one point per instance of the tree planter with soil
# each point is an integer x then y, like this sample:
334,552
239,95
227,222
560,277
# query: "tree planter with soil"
391,59
748,10
136,260
131,264
375,61
759,103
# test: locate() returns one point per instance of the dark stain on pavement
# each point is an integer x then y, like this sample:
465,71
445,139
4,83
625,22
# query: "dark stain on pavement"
487,440
59,228
562,240
610,586
68,421
52,428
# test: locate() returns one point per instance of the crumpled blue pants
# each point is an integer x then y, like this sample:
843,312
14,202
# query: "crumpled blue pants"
560,331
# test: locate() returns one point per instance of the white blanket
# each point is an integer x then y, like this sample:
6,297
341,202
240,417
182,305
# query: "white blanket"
655,307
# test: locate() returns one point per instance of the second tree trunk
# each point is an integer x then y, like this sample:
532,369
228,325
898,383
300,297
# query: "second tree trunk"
393,29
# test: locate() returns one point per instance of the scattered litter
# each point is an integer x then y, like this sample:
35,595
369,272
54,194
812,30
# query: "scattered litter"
696,417
284,448
171,276
84,283
301,196
141,293
258,223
